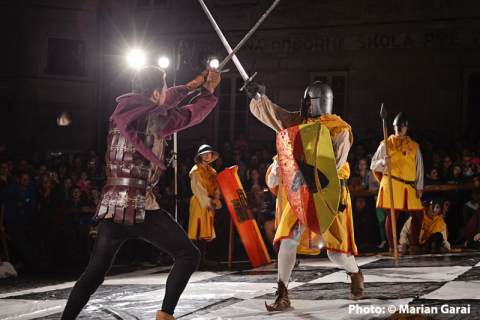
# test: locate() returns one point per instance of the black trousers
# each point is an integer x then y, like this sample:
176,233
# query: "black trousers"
160,230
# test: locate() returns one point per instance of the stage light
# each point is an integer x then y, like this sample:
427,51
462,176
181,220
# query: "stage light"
213,62
163,62
136,58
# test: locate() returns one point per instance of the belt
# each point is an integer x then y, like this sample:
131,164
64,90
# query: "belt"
411,183
129,182
343,183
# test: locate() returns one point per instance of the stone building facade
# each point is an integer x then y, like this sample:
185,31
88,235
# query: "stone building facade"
422,57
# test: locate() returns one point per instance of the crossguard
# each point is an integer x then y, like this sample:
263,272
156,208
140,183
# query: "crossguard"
246,81
219,71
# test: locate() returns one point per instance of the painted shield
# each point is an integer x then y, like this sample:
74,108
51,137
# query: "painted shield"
310,174
236,201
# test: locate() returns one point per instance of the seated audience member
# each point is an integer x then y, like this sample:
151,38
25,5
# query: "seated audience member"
455,217
474,164
19,213
431,178
444,170
237,161
5,176
78,224
433,235
446,209
362,171
365,224
46,196
241,143
471,206
472,232
84,185
467,171
253,188
63,191
94,197
38,175
355,184
61,172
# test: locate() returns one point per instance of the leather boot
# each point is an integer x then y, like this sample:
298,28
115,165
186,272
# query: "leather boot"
281,300
356,288
164,316
415,250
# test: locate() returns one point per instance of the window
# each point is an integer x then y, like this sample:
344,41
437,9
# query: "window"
471,98
232,113
338,82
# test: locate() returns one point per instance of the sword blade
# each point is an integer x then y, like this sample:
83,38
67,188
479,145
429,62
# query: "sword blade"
249,34
235,60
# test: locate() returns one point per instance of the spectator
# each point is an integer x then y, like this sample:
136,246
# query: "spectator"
445,209
241,143
45,195
38,173
433,235
94,197
365,224
435,162
254,189
444,170
73,177
5,176
61,172
20,206
467,171
237,161
472,232
84,185
218,165
474,164
252,165
22,166
77,165
355,184
431,179
362,171
455,217
471,206
63,192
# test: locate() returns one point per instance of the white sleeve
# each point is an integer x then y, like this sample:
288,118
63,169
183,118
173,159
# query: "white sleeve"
200,192
446,244
420,170
272,179
341,146
377,159
405,234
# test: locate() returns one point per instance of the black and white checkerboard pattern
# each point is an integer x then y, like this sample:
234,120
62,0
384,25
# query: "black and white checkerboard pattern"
318,290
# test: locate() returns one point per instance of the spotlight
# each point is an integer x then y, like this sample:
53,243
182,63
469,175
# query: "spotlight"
163,62
136,58
213,62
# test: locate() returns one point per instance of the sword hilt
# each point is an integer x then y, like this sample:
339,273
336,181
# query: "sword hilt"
219,71
248,80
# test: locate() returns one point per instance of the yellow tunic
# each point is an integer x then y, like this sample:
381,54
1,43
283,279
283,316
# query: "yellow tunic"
340,235
430,226
204,187
402,153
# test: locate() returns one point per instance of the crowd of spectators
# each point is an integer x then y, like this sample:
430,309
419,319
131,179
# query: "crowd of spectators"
49,203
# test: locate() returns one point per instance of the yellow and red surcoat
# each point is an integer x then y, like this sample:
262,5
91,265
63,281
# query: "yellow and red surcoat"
204,186
403,166
340,235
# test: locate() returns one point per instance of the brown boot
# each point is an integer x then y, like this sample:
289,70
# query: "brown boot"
281,300
415,250
356,289
164,316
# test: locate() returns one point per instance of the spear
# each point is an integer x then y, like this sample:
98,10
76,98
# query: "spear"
383,114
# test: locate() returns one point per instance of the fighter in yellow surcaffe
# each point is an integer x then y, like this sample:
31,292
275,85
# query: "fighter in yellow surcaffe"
205,200
339,239
407,180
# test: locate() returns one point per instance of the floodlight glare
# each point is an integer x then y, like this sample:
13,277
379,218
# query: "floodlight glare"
163,62
136,58
214,63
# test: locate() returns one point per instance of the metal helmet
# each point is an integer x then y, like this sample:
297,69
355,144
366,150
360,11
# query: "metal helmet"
401,120
436,202
321,98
